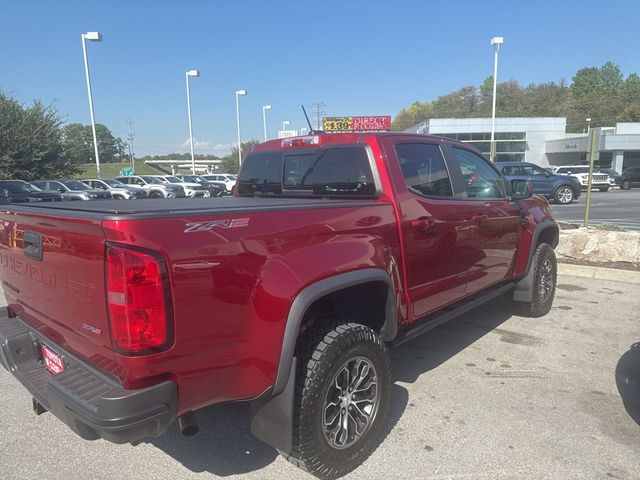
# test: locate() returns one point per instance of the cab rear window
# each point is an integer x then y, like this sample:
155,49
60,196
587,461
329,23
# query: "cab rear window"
324,171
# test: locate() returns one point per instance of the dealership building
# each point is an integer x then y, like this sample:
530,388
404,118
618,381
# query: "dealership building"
540,140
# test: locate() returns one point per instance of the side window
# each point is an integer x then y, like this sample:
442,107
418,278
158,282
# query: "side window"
480,180
423,169
511,170
532,171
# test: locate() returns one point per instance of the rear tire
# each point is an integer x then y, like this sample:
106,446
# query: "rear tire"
564,195
343,389
544,282
156,195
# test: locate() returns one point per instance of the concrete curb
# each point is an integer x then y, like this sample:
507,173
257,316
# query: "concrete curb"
599,273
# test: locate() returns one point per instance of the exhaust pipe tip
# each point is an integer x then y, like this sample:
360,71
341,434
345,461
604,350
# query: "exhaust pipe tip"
188,424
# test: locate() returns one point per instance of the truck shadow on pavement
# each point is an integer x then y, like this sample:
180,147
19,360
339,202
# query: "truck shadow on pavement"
628,381
225,445
435,347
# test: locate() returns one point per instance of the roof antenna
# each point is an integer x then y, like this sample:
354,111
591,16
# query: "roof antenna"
311,130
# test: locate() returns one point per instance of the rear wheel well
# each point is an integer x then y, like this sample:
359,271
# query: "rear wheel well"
364,303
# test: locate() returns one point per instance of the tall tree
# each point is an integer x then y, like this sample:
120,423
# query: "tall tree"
31,141
78,144
229,163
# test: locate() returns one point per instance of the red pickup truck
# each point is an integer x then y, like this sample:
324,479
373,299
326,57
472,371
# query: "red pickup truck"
124,317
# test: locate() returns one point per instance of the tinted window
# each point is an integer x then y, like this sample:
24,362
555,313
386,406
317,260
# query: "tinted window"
56,186
153,180
423,169
333,170
261,172
77,185
480,180
113,182
511,170
533,170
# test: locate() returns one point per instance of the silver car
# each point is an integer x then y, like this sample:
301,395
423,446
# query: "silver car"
118,189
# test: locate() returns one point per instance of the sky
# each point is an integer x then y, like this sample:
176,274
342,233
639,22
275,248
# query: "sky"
368,57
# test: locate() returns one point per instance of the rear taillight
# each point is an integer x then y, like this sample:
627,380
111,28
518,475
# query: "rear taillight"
138,301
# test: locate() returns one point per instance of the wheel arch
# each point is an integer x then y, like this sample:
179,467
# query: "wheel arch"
324,289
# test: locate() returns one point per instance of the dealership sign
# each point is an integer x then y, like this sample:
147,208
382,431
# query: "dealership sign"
376,123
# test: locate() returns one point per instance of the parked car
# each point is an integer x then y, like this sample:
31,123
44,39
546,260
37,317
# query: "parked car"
118,189
215,188
191,189
153,185
614,178
562,189
630,178
18,191
581,172
289,294
73,189
228,179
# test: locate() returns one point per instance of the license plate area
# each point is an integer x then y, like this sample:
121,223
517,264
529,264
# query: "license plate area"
52,361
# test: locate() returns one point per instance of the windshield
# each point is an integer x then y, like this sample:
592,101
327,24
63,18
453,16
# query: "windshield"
173,179
150,179
17,187
190,178
77,185
112,182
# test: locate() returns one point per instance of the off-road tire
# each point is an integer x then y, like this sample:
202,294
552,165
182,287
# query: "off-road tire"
545,268
322,352
564,195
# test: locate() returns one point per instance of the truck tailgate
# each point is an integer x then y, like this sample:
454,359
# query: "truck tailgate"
52,271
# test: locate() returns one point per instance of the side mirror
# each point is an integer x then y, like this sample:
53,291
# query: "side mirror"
521,189
61,190
547,173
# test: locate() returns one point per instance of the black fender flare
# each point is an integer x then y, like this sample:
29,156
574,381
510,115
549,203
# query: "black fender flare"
524,288
320,289
272,418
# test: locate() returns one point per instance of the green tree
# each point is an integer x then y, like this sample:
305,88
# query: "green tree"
229,163
411,115
78,144
31,141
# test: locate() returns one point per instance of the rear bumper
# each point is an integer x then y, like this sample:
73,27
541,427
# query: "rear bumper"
91,403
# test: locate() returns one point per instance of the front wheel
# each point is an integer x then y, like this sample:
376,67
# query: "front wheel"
604,189
342,396
564,195
545,274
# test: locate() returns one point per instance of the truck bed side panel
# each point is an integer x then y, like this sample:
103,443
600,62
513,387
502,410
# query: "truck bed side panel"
233,278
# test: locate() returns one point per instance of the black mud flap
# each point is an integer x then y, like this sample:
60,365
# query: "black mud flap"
272,420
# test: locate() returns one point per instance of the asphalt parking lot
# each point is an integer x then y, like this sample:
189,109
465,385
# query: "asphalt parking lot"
488,396
621,207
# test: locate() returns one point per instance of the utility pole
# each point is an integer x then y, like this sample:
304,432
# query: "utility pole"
319,107
130,143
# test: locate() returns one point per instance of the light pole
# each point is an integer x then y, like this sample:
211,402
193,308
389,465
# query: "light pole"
94,37
284,124
496,42
239,93
588,120
264,119
191,73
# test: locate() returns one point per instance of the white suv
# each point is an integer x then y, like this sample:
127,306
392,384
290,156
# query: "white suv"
191,190
581,172
228,179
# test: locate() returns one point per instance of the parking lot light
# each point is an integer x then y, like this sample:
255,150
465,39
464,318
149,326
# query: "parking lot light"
239,93
264,119
93,37
191,73
496,42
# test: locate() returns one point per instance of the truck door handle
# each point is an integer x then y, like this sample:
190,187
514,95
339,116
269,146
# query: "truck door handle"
478,218
424,224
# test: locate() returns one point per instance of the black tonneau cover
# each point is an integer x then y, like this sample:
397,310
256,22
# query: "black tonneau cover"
146,208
